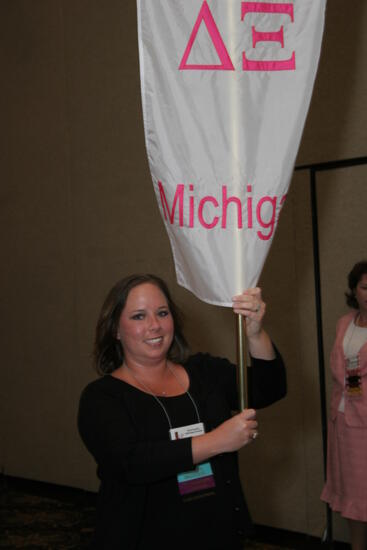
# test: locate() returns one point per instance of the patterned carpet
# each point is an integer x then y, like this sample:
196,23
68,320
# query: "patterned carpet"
41,516
36,521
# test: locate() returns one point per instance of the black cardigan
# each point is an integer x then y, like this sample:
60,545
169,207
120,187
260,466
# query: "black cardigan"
115,422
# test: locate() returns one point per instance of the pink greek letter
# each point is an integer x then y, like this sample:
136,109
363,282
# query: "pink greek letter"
226,64
275,36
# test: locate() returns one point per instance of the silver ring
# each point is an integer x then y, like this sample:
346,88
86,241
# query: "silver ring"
254,435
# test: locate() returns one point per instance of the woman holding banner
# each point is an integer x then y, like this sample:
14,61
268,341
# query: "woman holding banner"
346,481
159,423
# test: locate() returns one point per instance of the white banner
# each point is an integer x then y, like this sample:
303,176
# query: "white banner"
226,87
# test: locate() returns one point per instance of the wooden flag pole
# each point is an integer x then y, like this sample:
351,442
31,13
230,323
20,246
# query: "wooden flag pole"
241,363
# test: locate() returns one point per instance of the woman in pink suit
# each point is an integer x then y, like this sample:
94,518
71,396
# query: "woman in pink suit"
346,485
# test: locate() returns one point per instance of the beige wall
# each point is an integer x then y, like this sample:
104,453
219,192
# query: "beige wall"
75,181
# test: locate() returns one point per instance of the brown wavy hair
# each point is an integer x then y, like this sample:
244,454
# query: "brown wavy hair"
108,352
359,269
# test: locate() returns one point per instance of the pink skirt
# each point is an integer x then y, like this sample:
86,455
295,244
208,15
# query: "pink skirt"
346,481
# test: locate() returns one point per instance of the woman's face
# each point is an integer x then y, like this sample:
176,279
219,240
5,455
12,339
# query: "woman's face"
361,293
146,326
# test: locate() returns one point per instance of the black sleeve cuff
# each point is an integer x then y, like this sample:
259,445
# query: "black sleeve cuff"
267,381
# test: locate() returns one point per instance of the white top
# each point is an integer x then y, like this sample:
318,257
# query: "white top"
355,337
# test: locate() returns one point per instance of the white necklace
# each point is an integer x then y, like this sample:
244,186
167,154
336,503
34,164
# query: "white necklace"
143,384
164,393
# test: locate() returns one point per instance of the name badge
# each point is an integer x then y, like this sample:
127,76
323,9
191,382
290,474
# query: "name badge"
198,482
353,378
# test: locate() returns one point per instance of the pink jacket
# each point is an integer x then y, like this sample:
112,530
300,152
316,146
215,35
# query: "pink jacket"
355,407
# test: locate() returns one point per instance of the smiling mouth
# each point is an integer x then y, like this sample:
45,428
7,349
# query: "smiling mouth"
157,340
